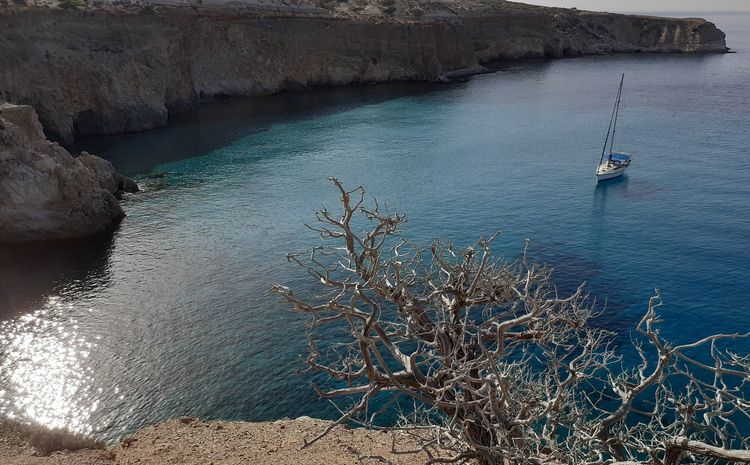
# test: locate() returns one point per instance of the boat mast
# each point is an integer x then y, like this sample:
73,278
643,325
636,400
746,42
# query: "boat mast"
611,120
617,112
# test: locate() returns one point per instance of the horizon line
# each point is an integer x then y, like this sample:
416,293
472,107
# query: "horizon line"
671,11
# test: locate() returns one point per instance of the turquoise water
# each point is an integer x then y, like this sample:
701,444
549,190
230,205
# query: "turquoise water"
170,315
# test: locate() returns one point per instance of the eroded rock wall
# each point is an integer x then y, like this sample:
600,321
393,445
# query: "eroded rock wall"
104,71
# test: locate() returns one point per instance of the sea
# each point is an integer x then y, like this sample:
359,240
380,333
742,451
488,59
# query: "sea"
170,314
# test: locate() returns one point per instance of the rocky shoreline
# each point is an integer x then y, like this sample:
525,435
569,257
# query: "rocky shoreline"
47,194
192,442
120,67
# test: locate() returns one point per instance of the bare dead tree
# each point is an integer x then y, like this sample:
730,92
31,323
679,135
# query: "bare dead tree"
502,369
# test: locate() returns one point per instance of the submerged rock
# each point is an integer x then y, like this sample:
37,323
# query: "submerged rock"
47,194
106,175
125,184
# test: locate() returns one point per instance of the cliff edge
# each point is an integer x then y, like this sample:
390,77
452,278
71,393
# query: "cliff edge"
119,67
191,442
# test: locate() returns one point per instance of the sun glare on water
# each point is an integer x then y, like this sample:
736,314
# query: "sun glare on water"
43,370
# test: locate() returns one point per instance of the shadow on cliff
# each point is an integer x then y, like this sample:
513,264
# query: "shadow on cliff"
31,273
211,125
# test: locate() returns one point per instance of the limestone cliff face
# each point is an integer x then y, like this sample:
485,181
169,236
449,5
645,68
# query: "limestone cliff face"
107,70
45,193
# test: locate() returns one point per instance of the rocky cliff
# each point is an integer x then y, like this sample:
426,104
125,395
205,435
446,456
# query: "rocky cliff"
45,193
112,69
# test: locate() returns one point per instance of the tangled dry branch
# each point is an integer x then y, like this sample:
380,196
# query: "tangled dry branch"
501,368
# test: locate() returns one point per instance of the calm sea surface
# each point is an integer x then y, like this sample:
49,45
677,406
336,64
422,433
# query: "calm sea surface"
170,315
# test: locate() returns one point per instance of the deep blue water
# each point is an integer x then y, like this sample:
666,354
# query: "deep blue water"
170,315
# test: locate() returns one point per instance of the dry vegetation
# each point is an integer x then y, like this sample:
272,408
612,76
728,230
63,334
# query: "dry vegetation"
500,367
44,440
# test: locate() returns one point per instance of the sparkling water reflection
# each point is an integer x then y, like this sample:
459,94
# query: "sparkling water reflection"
45,374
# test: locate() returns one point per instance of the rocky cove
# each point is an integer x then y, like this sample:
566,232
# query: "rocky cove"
110,70
113,68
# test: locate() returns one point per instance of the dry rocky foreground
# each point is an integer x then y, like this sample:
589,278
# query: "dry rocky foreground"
191,442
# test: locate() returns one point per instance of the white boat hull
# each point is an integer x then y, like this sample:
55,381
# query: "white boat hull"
607,172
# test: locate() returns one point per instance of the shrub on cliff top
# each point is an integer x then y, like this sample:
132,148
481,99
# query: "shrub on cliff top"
71,4
46,440
500,367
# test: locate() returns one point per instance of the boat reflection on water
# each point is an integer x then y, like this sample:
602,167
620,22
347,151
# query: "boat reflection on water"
605,193
613,187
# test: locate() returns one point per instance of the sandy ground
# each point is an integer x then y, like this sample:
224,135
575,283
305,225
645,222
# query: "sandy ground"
193,442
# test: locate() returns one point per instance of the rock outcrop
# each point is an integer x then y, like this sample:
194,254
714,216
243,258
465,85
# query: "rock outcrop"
114,68
47,194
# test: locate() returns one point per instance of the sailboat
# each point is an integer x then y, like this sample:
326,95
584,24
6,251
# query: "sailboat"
613,164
